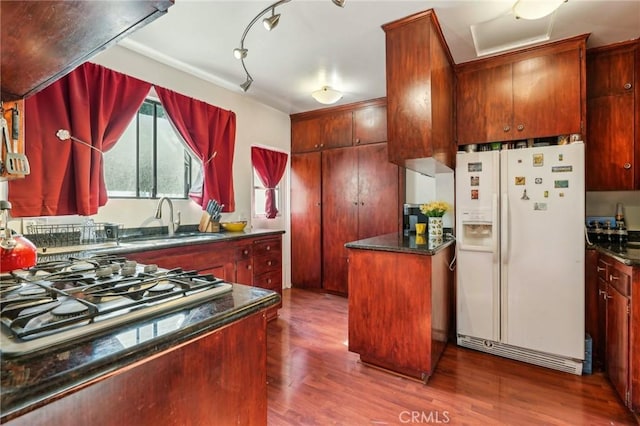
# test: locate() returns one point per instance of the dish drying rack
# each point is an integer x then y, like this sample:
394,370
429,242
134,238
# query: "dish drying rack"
65,235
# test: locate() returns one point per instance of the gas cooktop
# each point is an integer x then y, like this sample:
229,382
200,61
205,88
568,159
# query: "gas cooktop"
59,302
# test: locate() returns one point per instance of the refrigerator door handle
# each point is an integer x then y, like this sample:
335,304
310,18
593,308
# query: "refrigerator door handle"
496,233
505,227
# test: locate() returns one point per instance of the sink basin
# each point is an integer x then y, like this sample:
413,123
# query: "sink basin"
183,237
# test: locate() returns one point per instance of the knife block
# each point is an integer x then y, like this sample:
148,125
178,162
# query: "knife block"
207,224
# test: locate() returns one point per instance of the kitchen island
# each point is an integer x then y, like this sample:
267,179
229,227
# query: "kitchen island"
204,364
400,302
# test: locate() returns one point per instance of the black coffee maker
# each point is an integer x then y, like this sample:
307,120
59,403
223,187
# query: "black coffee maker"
410,216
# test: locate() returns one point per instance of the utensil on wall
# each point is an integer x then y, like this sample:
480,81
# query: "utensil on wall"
15,163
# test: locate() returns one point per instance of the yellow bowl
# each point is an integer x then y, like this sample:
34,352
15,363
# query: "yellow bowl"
234,226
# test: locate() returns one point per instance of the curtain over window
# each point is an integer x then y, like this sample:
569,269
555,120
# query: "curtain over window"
210,132
270,166
95,104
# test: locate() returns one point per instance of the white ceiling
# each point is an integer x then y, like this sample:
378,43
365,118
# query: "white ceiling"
317,43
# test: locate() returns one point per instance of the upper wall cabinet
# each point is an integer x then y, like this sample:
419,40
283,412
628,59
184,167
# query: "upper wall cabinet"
420,95
41,41
532,93
613,118
346,125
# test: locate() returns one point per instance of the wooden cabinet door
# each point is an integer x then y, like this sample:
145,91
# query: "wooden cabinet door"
328,130
611,142
306,215
618,342
306,134
610,73
485,105
547,95
377,192
339,214
244,264
370,125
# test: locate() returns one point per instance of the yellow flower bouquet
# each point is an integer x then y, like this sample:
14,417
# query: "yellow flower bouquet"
435,208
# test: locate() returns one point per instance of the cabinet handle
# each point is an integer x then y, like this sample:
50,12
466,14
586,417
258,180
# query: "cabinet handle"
613,278
506,128
245,252
598,269
321,145
520,127
269,263
249,267
603,293
362,203
355,203
357,141
269,281
628,86
626,166
315,146
268,248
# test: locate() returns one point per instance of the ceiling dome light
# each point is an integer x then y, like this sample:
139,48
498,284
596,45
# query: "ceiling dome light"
535,9
327,95
271,22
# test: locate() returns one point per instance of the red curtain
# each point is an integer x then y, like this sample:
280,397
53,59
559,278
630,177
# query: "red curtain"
270,166
210,132
96,105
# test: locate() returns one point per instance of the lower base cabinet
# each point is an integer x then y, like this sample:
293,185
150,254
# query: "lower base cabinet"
617,347
216,379
255,261
399,309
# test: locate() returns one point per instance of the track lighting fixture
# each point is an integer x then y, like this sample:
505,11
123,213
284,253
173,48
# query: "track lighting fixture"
269,23
272,22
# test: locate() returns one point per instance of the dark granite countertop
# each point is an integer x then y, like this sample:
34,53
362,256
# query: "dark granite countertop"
142,242
629,255
29,382
400,243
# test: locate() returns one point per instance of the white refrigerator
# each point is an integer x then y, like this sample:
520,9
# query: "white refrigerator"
520,254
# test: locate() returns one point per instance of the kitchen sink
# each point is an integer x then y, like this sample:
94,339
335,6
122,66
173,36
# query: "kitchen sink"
182,237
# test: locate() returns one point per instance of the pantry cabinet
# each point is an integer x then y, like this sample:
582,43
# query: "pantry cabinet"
613,145
532,93
340,195
359,200
420,92
348,125
306,215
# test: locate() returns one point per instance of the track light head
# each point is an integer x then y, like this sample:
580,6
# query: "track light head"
240,52
271,22
339,2
245,86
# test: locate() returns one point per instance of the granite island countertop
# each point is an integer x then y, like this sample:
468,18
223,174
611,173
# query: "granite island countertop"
31,381
400,243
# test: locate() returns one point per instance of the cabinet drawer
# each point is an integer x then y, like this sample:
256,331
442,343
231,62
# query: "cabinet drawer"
244,252
620,281
271,280
267,247
602,270
267,263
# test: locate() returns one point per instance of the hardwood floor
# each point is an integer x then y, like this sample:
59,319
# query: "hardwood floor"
314,380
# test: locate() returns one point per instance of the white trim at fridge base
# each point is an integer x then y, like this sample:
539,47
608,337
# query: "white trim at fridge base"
555,362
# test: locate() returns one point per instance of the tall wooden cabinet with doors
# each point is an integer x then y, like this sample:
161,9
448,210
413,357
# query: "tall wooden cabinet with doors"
531,93
420,93
616,317
613,124
341,190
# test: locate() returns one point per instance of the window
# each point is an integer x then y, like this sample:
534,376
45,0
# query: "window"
150,160
260,197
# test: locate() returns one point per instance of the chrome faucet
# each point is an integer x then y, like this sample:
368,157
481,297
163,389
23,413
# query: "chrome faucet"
173,225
